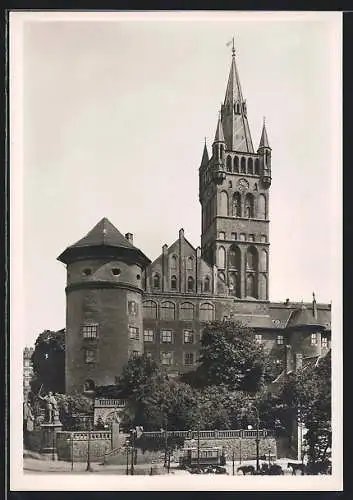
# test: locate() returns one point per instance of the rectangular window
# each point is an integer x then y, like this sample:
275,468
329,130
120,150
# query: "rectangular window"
222,235
132,307
189,358
324,343
188,337
242,236
134,354
251,237
166,336
26,363
279,339
166,358
90,356
89,331
263,238
148,354
313,339
234,236
134,333
148,336
258,338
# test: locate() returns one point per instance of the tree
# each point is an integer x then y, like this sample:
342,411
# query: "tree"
230,356
306,394
48,361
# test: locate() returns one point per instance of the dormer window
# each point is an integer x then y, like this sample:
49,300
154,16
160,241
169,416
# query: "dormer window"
87,271
116,271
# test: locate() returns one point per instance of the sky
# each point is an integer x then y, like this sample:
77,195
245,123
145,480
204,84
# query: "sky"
111,118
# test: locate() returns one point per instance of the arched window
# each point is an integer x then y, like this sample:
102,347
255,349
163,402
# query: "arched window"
89,385
249,206
261,211
251,285
150,309
234,257
237,109
190,284
243,165
167,311
222,276
236,205
189,262
223,204
264,260
251,259
234,284
206,312
221,258
173,282
236,164
257,167
174,262
186,311
263,287
221,235
156,281
250,166
229,163
206,284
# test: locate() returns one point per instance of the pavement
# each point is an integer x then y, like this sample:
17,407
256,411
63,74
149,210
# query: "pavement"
34,463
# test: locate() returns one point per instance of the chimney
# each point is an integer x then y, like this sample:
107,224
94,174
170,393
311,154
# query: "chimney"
130,238
287,302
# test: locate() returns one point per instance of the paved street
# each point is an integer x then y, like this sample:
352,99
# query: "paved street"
36,465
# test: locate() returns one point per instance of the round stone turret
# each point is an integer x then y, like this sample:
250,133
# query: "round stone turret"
103,306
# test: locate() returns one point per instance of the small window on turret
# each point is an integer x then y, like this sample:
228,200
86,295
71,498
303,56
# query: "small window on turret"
87,272
116,271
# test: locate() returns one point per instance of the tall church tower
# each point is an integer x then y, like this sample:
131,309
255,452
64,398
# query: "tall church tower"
234,195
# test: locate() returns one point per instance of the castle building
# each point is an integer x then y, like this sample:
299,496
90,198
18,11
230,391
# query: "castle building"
120,304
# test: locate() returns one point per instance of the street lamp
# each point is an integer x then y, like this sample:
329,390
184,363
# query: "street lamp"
89,468
253,407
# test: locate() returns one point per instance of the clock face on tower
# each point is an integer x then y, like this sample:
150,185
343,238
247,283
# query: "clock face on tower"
243,184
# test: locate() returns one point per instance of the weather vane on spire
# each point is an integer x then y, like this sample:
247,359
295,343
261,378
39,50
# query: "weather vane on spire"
231,42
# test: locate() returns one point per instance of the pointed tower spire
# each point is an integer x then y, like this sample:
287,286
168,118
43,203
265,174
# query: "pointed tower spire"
264,139
219,137
314,306
205,157
234,114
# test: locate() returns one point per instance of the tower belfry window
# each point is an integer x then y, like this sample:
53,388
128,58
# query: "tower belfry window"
236,164
236,205
243,165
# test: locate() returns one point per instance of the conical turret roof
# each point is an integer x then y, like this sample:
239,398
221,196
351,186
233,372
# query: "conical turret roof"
264,139
103,235
205,157
219,136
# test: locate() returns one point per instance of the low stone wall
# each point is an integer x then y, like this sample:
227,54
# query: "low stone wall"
33,440
74,445
243,448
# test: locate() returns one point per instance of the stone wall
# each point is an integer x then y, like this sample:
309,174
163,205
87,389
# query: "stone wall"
243,448
75,444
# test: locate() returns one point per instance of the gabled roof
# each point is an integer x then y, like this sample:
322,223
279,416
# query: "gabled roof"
303,316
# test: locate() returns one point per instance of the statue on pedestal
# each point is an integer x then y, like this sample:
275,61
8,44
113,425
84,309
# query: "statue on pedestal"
52,415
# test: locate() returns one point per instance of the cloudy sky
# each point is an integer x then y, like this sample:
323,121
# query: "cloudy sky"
109,119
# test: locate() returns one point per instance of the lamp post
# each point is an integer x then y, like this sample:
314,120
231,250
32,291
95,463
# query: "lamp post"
253,407
133,435
198,444
166,442
89,468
